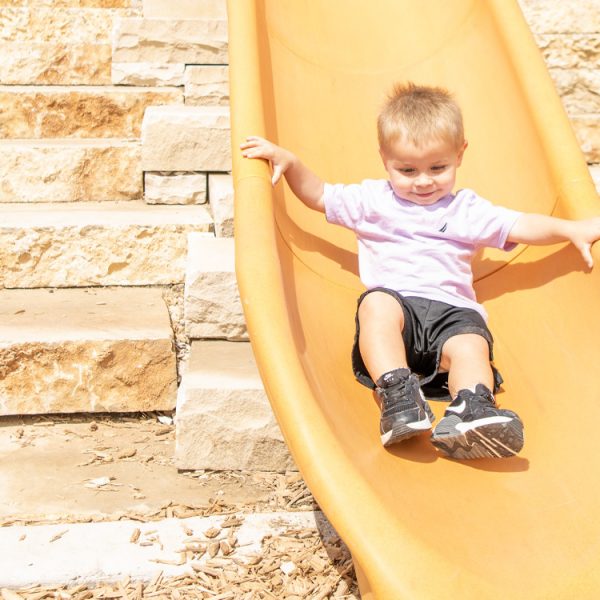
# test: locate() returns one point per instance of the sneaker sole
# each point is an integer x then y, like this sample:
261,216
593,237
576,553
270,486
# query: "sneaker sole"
402,431
495,440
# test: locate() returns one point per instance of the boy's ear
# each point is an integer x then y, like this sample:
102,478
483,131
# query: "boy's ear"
461,152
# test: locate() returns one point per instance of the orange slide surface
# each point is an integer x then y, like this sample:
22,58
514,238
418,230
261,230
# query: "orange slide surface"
311,75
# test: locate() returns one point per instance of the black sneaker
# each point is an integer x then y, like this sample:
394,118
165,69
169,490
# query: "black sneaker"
473,427
404,410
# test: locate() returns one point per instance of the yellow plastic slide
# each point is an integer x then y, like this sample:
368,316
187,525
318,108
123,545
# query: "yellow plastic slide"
311,75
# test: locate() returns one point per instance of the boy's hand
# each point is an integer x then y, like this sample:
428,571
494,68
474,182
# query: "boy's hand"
279,158
585,233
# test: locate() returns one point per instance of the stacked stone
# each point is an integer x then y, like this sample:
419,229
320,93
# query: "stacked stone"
568,34
116,195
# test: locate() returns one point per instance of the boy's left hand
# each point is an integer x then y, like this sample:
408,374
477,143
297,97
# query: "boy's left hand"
585,233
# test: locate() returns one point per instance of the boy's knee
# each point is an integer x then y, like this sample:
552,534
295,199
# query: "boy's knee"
467,345
380,306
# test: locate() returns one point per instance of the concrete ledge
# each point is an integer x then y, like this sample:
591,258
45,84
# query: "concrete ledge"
224,419
99,552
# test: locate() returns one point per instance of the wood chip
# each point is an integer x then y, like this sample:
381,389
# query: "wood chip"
58,536
135,535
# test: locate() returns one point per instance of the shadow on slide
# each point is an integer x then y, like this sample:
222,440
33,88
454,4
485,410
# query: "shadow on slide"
311,75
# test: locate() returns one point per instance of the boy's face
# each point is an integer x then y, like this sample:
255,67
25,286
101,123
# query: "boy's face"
424,174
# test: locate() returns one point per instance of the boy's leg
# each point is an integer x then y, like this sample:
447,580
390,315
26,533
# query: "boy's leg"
466,358
404,410
473,426
381,344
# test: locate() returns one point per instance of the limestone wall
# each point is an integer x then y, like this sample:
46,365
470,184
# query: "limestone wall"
568,34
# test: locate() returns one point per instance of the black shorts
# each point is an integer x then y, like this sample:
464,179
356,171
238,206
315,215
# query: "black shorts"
428,325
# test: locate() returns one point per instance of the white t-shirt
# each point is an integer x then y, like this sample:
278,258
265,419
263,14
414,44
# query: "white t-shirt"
419,250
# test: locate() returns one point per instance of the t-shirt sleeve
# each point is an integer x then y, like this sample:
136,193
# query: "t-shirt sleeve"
344,204
490,224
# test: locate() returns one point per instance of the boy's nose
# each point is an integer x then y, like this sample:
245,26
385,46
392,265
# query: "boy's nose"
423,180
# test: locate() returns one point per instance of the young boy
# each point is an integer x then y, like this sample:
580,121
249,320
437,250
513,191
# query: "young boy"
416,239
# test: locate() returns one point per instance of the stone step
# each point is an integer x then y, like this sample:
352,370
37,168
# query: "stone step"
186,138
59,43
87,350
78,111
224,419
212,306
220,194
70,170
96,243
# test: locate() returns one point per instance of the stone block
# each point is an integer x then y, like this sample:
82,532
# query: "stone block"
50,23
587,130
84,111
150,74
206,85
220,193
224,420
558,16
70,170
175,188
96,350
185,9
194,41
96,243
75,3
211,299
186,138
579,89
54,63
570,51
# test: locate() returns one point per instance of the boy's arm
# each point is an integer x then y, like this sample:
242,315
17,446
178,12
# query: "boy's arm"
540,230
303,182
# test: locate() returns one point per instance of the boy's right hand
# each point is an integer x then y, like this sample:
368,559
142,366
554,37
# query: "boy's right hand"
279,158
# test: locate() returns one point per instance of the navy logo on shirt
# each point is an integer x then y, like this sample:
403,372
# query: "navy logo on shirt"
443,228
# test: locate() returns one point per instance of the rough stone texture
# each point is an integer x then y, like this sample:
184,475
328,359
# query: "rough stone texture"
579,89
212,302
185,9
54,63
220,193
49,24
568,34
75,3
150,74
70,170
65,351
87,112
88,244
570,51
186,138
194,41
206,85
224,420
587,129
558,16
175,188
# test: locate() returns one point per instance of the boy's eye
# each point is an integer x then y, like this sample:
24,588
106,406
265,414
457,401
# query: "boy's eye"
438,168
407,171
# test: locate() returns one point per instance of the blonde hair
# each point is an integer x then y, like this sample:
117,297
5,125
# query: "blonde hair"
420,114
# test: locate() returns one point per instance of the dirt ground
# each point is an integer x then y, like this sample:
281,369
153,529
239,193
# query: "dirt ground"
82,468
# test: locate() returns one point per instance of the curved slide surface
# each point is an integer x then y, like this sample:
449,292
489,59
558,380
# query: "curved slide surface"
311,75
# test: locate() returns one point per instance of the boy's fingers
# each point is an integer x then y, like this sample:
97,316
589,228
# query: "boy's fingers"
587,255
276,174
